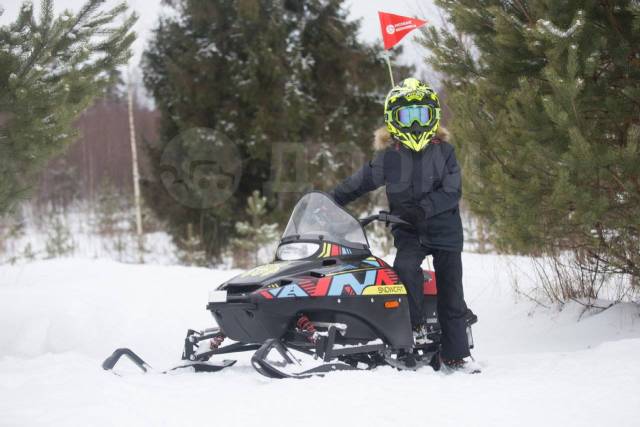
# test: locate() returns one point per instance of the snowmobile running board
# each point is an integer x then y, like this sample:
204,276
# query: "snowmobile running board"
324,350
260,363
199,366
371,355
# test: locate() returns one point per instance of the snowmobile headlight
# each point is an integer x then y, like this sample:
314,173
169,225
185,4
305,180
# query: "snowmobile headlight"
294,251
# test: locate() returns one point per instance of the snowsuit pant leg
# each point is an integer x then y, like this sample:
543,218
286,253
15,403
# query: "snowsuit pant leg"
451,305
407,264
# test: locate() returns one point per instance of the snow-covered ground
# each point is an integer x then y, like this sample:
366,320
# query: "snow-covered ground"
78,231
59,319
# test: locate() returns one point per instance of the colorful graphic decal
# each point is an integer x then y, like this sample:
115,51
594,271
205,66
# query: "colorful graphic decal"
366,264
380,281
331,249
265,270
373,261
342,268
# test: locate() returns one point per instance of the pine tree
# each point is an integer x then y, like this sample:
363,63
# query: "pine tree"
546,104
112,215
28,253
59,241
62,183
263,73
12,228
253,234
51,68
111,210
192,250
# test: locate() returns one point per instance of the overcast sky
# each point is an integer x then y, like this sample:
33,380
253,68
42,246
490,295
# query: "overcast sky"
149,10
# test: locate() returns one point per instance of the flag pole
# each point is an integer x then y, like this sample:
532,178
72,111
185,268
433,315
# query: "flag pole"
388,58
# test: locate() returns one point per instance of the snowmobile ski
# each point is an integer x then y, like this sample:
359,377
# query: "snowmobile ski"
111,361
199,366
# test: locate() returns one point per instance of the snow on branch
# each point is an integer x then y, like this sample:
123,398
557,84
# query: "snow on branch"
549,28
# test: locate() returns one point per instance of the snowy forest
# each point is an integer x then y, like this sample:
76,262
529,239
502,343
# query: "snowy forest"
151,151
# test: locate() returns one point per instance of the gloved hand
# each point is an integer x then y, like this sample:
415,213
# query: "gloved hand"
418,219
414,215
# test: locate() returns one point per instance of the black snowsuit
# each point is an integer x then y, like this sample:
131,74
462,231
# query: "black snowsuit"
423,188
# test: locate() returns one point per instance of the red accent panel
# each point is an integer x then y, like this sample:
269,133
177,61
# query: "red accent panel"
335,250
266,294
429,286
309,289
322,287
393,275
386,277
381,262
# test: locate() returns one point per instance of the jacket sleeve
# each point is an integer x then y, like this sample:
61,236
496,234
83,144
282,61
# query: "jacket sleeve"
448,194
368,178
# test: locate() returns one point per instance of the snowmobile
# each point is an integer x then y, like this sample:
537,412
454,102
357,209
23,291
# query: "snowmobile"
325,298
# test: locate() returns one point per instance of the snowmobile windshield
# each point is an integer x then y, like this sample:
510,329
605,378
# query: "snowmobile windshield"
318,217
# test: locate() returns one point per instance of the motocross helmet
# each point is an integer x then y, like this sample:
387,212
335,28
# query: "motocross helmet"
412,113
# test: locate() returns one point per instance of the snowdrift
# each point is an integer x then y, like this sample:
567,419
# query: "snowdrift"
59,319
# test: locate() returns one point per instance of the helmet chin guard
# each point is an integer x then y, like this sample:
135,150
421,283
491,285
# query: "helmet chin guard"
421,126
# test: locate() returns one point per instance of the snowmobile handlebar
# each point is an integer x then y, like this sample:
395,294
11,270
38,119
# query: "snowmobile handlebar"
383,216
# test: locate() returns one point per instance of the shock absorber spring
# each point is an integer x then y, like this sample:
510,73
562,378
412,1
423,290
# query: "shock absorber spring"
215,342
305,325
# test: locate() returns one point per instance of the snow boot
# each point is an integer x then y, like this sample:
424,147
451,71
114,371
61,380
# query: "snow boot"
450,366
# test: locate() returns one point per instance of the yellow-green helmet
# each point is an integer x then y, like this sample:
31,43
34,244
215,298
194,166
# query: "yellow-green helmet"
412,113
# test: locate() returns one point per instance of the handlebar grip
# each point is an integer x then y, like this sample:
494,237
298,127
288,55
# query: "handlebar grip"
383,216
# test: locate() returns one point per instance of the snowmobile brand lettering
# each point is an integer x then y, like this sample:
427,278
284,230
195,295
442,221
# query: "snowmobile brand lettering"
385,290
348,279
375,282
288,291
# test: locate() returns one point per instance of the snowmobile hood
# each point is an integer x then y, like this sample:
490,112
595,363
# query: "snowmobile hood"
267,273
281,273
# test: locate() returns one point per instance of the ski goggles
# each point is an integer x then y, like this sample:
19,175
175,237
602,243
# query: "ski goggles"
407,115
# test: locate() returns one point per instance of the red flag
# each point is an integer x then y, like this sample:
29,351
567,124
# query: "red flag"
395,27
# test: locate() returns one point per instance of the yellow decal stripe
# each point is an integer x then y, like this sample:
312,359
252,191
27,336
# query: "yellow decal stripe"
397,289
325,250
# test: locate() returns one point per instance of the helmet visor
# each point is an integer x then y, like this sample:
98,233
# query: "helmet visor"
409,114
